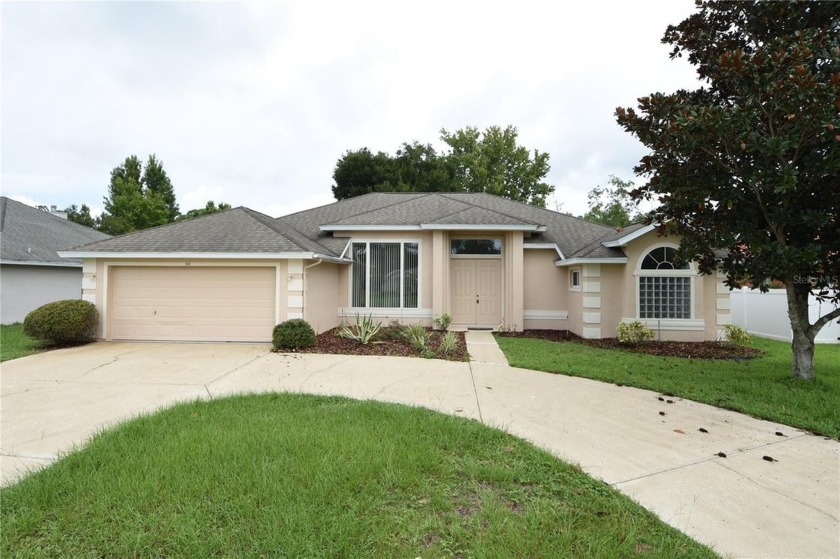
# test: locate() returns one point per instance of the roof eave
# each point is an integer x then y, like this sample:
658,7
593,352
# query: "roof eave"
203,255
62,264
578,261
622,241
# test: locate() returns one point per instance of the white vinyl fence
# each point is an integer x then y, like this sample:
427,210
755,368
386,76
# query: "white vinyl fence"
765,315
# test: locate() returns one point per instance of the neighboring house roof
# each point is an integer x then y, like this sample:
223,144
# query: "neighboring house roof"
30,236
312,232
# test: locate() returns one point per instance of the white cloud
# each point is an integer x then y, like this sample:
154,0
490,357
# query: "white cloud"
253,103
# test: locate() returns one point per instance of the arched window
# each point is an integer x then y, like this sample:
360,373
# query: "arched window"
664,285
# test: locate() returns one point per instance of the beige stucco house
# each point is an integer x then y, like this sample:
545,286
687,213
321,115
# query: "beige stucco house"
484,260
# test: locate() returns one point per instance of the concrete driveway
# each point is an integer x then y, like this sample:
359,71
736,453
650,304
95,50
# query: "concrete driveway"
741,505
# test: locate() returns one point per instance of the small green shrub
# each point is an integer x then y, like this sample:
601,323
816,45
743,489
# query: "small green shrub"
394,331
634,333
448,343
506,327
62,322
363,331
293,334
736,335
442,322
416,335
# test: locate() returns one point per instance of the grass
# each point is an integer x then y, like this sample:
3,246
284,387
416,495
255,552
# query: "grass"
761,387
283,475
14,343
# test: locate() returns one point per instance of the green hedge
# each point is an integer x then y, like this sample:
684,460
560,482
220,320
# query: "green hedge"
69,321
293,334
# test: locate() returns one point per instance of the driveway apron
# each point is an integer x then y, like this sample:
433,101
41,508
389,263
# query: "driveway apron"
741,505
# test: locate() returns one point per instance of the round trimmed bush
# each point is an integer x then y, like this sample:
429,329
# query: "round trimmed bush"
61,322
293,334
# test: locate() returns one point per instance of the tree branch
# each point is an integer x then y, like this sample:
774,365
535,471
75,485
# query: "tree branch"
817,326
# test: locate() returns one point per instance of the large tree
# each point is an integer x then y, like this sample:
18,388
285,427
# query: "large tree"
209,208
156,180
493,162
612,204
746,167
131,204
489,161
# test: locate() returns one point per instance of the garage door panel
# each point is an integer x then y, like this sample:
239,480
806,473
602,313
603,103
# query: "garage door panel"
192,303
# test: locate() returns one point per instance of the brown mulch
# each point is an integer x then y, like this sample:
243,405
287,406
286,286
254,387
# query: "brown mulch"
686,350
331,342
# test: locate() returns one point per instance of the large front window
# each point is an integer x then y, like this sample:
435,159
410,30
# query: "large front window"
385,275
664,285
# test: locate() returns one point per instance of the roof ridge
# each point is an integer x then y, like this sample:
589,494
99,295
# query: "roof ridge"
497,211
418,194
272,222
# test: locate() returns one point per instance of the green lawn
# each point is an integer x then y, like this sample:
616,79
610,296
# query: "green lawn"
760,387
14,343
283,475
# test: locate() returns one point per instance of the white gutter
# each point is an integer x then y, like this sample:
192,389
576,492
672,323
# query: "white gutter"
548,246
49,264
629,237
435,227
203,255
576,261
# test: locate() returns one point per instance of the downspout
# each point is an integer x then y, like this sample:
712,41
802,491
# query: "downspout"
305,290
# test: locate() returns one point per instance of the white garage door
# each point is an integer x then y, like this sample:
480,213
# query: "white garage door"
191,303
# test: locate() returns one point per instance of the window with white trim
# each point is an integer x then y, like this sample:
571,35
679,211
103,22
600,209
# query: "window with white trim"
385,275
664,285
574,279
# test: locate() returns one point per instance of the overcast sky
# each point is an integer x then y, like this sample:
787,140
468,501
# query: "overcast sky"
253,103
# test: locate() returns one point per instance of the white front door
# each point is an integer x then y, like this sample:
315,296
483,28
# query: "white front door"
476,291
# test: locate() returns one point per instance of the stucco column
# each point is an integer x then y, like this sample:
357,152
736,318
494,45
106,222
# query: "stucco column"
514,280
440,273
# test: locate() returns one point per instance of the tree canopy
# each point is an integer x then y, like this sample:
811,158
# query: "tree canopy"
138,197
489,161
745,167
612,204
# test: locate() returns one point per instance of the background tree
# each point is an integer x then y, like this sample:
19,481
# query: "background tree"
130,205
494,163
209,208
81,216
156,180
746,167
360,172
612,204
490,162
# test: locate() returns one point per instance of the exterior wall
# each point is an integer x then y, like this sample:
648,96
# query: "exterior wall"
25,288
612,298
709,306
575,295
321,295
96,274
513,279
546,291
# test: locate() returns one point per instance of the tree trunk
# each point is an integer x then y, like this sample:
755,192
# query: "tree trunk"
803,333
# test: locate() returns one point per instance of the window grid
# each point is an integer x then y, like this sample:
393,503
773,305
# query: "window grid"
664,297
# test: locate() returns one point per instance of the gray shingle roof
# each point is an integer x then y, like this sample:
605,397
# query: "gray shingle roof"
239,230
32,236
243,230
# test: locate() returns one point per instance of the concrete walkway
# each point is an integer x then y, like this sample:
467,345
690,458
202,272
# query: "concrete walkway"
741,505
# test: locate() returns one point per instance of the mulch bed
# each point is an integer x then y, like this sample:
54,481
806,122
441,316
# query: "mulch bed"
686,350
331,342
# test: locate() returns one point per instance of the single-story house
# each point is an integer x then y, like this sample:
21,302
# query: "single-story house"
486,261
31,272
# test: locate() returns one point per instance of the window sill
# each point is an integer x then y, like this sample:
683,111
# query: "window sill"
673,324
383,312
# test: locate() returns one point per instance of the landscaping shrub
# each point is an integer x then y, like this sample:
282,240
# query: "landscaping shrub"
62,322
442,322
736,335
448,343
364,330
293,334
634,333
416,335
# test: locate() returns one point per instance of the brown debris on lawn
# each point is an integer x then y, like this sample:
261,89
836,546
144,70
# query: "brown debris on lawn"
686,350
331,342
